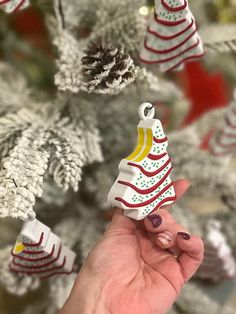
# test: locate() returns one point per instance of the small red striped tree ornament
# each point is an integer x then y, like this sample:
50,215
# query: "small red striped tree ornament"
144,184
172,36
38,251
223,141
218,263
10,6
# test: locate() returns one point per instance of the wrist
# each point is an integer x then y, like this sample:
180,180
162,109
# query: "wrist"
92,301
91,293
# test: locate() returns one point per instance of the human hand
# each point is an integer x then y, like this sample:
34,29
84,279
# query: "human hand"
137,267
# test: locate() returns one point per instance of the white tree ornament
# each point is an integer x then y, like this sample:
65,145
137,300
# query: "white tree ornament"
144,182
38,251
224,140
172,36
218,260
10,6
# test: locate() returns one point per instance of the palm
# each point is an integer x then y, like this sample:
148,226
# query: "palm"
131,270
140,269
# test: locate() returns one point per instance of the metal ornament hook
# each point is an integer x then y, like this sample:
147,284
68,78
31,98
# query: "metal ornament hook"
146,106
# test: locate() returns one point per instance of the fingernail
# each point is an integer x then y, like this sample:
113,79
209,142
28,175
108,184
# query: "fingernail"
188,183
164,237
155,220
184,235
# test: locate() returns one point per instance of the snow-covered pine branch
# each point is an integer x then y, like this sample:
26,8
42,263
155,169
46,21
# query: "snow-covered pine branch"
119,24
14,92
21,176
68,76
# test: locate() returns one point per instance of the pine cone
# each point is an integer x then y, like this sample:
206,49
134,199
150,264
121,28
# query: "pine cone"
107,70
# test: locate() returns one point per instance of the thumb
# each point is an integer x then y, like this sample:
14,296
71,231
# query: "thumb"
121,223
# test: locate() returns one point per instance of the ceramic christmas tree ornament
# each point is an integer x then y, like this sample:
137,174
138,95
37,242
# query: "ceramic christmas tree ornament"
172,36
40,252
223,141
144,184
218,262
10,6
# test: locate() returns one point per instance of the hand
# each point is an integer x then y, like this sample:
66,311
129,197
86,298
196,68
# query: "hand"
137,267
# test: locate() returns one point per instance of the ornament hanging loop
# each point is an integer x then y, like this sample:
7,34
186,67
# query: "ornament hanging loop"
146,111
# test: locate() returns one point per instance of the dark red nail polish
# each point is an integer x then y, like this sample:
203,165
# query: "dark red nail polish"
184,235
155,220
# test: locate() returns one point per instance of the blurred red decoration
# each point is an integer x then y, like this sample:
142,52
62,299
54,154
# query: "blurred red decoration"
206,91
29,24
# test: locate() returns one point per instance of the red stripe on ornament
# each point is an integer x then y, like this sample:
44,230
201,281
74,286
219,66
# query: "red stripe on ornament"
186,59
160,140
19,5
172,36
35,244
169,8
4,1
227,120
32,252
170,49
227,146
165,200
220,154
223,133
168,23
156,157
150,173
129,205
33,259
174,57
149,190
38,266
39,271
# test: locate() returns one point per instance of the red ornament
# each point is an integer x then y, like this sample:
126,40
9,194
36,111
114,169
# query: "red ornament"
206,91
30,25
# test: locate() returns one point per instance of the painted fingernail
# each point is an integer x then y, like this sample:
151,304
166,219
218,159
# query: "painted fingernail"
155,220
188,183
184,235
164,237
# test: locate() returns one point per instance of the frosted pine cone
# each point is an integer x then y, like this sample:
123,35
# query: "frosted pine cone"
107,70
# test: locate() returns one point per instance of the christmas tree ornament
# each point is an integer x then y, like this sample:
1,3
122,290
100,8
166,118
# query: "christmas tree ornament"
16,284
172,36
40,252
218,260
10,6
144,184
223,141
107,70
